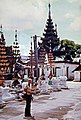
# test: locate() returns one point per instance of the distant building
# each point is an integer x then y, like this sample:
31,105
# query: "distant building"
64,68
77,73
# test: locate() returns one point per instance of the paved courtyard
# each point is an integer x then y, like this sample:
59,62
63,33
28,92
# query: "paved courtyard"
62,105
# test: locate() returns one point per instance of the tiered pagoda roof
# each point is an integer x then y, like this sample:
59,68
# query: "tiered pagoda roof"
4,64
50,33
42,55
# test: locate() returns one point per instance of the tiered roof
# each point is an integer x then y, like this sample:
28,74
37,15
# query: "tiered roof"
4,64
50,33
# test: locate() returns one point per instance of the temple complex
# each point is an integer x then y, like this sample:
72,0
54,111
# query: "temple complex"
50,46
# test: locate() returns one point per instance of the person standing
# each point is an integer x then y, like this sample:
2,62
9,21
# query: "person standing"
29,91
28,101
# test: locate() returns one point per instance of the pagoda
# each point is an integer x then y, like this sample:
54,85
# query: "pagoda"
4,64
50,33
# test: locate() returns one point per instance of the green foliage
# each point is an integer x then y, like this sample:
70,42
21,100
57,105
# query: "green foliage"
71,48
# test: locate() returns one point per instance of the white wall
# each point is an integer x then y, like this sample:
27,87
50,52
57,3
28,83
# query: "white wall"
63,69
77,75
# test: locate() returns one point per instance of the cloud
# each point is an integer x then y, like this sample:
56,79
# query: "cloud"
78,1
69,15
28,16
22,13
76,24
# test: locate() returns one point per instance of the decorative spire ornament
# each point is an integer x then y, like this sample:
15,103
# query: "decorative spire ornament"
16,51
31,62
1,28
42,58
50,59
49,11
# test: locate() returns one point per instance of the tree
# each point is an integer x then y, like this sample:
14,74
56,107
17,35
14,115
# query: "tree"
71,48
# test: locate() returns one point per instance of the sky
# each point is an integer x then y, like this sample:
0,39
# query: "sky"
29,18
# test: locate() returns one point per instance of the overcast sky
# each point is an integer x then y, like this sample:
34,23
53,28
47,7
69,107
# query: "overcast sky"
29,18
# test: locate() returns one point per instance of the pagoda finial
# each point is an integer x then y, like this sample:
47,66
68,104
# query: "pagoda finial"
2,36
15,35
31,45
1,28
49,10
